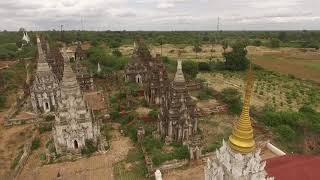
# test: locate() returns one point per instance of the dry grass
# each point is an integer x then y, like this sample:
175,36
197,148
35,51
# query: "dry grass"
302,63
11,143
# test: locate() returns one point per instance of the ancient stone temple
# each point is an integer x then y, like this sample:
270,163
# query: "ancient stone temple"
74,124
238,159
45,86
156,86
177,117
149,72
80,54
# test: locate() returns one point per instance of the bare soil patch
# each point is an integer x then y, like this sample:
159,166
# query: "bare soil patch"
191,173
94,168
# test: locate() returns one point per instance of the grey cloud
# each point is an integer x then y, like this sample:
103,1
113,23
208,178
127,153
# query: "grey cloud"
160,14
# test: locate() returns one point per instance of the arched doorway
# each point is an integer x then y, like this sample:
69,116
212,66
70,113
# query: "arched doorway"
75,144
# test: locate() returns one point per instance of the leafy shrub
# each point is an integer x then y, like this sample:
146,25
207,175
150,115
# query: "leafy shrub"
45,128
257,42
204,66
35,144
132,133
2,101
106,131
181,152
16,160
190,68
275,43
232,98
151,143
285,133
125,119
205,94
153,113
212,147
89,147
114,115
42,157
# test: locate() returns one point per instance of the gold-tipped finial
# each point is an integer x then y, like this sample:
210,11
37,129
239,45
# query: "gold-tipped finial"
241,140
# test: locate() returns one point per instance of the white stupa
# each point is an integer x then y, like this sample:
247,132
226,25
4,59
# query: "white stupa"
99,68
26,37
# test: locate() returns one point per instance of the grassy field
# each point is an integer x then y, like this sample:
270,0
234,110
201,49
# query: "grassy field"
302,63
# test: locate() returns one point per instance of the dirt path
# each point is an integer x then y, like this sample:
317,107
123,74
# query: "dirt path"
192,173
93,168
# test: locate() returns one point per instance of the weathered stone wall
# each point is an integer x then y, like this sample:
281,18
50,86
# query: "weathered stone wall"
173,165
17,121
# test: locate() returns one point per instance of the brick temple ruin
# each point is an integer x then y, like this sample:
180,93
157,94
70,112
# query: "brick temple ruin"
148,72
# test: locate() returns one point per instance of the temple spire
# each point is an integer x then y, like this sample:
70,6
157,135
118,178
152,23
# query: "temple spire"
179,77
42,63
241,140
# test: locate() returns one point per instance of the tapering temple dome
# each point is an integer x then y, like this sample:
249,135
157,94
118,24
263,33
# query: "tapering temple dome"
179,77
241,139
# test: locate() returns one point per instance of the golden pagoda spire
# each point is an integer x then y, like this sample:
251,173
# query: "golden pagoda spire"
241,139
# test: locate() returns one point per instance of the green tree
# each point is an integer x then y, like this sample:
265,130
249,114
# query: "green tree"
274,43
257,42
225,45
190,68
283,36
204,66
285,133
2,101
236,59
197,49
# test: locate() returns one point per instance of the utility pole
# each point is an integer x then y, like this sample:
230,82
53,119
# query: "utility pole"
82,24
61,35
218,24
216,37
161,42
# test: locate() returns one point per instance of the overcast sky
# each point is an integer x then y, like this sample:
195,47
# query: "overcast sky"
160,14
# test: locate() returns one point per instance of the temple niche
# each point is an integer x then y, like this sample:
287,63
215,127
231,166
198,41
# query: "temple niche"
177,117
45,86
149,72
74,122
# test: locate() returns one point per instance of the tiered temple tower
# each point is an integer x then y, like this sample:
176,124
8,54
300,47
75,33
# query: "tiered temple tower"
177,117
148,72
45,88
80,54
74,123
238,159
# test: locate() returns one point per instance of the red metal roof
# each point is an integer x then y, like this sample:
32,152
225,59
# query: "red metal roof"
294,167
